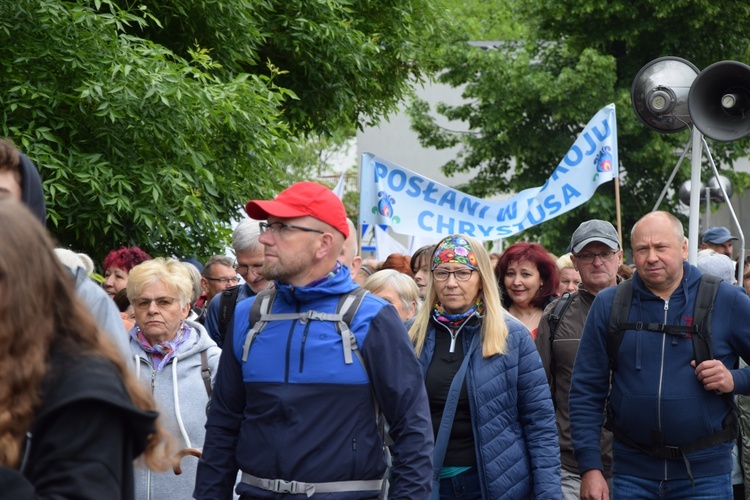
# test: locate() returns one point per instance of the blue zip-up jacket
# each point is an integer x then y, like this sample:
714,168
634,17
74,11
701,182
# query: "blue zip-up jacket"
211,321
295,411
654,387
512,417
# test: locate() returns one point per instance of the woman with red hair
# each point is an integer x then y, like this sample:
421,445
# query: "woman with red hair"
528,280
401,263
117,266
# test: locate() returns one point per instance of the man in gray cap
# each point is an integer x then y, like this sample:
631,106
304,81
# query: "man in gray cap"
596,255
718,239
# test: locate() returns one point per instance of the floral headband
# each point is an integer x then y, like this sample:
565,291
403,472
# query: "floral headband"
454,250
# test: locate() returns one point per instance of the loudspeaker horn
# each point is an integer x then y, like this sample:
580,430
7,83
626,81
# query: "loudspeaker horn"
719,101
660,93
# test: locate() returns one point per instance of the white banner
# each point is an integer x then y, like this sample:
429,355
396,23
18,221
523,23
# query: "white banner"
415,205
386,245
338,190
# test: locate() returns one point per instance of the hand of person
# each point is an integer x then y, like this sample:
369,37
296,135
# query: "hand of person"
594,486
714,376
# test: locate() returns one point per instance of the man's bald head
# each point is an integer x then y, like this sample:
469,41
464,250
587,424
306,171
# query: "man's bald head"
349,253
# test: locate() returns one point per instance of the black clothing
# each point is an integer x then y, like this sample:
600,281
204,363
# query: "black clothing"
32,194
440,374
84,438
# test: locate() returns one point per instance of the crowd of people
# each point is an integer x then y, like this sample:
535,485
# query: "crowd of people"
296,369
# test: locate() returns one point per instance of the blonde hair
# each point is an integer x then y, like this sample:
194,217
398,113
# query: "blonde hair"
195,276
494,329
403,285
565,262
169,271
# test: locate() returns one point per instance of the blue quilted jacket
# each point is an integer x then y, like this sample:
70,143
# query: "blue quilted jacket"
512,415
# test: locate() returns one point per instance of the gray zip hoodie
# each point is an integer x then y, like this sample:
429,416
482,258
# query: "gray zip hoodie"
182,399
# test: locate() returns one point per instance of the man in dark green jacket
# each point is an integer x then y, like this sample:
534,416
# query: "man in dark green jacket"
596,255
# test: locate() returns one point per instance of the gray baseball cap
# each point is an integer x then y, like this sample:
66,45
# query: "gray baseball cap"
594,230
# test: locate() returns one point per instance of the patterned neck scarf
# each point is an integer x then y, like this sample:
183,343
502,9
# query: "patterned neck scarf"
453,321
162,352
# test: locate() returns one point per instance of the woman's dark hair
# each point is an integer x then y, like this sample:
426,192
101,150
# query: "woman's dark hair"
121,300
537,255
425,251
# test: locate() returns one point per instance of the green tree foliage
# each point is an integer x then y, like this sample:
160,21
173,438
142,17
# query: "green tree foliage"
152,123
345,60
527,100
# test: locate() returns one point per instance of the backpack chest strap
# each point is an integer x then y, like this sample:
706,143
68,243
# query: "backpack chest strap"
676,330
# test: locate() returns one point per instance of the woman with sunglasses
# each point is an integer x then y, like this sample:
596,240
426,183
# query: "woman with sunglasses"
502,442
177,360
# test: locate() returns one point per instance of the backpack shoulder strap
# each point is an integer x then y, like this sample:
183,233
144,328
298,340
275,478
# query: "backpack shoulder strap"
554,322
704,305
617,319
259,313
347,307
227,304
558,312
206,372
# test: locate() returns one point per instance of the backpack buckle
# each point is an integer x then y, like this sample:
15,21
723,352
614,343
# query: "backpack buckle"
281,486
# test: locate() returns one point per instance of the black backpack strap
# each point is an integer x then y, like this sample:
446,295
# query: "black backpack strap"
206,372
227,304
261,307
554,322
617,320
704,305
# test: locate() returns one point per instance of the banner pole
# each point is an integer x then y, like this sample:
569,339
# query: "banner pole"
617,208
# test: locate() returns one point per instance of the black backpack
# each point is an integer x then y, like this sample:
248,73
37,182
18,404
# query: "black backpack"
227,304
700,331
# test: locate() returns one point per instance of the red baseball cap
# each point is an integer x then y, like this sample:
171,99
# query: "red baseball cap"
299,200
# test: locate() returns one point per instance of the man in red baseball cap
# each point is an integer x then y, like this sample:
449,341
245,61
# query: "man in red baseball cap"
303,234
298,389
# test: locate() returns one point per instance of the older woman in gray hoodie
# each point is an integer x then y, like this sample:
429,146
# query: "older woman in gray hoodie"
177,360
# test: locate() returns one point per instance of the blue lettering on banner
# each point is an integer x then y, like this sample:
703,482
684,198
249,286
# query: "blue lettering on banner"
421,220
380,171
540,211
449,198
509,212
552,205
401,181
428,191
465,227
467,206
445,224
569,192
577,156
556,174
607,131
441,210
592,145
414,184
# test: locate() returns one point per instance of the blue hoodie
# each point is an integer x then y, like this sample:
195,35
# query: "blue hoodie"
654,387
296,411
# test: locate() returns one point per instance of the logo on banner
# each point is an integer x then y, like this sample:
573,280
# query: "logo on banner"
385,207
603,160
